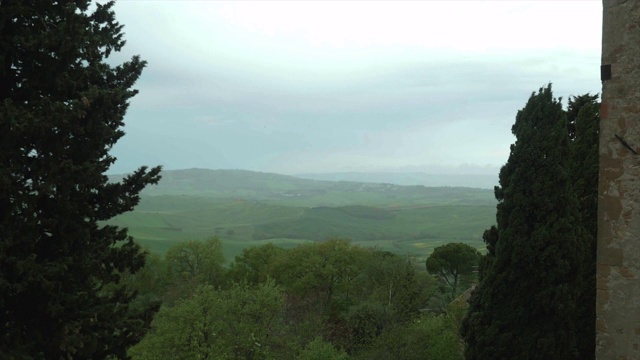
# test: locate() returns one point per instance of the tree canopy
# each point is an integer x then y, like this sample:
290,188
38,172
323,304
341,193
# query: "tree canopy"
451,261
239,323
526,304
360,301
584,113
61,110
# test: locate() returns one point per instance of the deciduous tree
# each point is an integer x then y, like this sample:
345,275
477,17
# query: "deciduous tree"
319,349
256,264
191,264
238,323
323,271
429,337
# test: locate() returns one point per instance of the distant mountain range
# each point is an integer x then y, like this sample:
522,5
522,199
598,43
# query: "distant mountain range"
481,181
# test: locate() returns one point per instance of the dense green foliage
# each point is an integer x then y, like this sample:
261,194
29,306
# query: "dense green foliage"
536,281
451,262
238,323
429,337
584,114
324,300
319,349
192,264
61,110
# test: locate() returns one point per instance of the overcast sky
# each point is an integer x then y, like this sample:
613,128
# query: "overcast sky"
333,86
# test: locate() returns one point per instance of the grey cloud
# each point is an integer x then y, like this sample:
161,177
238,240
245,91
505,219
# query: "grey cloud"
199,108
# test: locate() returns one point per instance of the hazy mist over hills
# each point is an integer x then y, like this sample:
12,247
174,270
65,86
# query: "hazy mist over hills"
482,181
209,181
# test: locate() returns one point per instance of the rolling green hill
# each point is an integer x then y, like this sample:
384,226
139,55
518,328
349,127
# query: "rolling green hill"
246,208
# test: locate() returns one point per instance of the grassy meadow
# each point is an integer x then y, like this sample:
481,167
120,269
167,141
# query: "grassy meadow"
245,208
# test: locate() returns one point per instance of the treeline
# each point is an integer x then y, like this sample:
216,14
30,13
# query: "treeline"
320,300
536,293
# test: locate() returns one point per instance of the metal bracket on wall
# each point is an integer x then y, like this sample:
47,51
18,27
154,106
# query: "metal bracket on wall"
626,144
605,72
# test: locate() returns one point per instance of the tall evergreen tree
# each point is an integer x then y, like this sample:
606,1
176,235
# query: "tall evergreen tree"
584,114
61,110
525,304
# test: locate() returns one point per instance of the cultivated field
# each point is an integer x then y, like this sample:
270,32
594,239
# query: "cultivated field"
245,208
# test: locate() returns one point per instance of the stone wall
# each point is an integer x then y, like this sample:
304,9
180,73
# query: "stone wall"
618,271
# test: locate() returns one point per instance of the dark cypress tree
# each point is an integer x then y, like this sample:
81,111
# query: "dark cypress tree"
525,304
478,319
584,114
61,110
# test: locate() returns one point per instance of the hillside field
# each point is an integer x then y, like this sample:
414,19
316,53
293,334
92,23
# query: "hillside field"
245,208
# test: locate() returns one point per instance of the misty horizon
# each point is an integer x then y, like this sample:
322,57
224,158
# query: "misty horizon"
326,87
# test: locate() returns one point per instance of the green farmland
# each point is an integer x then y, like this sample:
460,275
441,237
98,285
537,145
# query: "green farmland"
246,208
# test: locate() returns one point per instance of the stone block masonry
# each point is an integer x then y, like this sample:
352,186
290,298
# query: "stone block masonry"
618,269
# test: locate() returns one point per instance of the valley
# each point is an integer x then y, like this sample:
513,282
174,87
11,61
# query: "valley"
244,208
